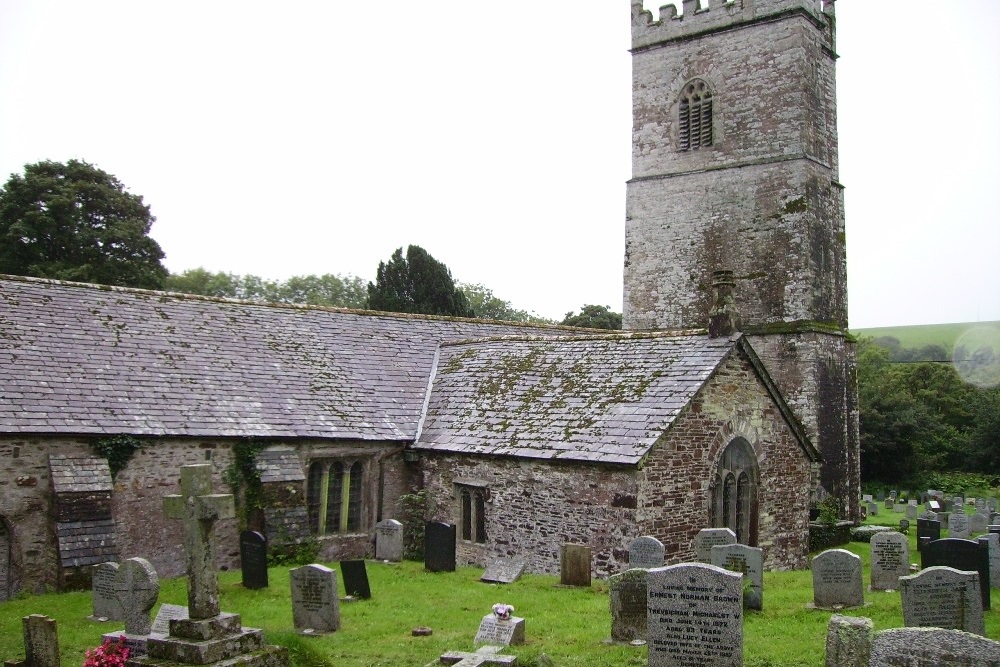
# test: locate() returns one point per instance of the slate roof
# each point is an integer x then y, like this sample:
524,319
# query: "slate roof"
87,359
603,399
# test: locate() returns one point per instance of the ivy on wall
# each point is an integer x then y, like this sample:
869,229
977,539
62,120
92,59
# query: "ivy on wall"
243,478
118,450
413,510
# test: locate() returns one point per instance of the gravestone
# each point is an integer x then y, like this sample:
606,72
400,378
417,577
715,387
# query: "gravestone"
165,614
41,643
904,526
932,647
872,509
136,588
645,552
574,565
890,503
748,561
992,504
355,579
315,605
890,560
944,519
486,655
911,510
504,570
708,538
867,498
880,496
928,528
253,559
978,523
942,597
933,506
980,505
628,592
439,547
994,520
695,616
930,516
958,525
389,540
105,604
993,542
962,555
500,632
837,580
848,641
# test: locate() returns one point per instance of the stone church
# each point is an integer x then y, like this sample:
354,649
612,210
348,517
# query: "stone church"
728,399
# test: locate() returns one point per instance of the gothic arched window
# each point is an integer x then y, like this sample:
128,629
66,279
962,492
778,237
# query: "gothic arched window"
695,116
334,496
473,513
733,493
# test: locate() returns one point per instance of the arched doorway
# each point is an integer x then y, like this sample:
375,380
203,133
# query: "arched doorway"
734,492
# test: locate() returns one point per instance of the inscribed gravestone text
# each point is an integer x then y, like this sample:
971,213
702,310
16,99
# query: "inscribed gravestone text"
315,605
890,560
942,597
837,579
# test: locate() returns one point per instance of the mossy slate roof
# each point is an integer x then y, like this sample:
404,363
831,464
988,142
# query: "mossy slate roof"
605,399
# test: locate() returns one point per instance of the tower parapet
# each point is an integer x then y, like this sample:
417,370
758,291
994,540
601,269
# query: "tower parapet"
648,30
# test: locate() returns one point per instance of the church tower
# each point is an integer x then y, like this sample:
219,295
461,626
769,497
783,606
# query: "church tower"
734,167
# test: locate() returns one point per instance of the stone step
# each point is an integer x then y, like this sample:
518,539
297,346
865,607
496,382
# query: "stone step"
268,656
195,652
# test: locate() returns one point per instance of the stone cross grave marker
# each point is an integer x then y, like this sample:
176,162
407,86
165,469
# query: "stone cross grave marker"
928,528
389,540
837,580
136,588
695,616
504,570
355,576
439,547
315,605
958,525
199,509
978,523
574,565
923,647
253,559
646,552
105,604
628,593
708,538
41,643
890,560
487,655
942,597
962,555
749,562
500,632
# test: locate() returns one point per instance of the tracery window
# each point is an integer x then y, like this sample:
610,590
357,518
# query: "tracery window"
734,492
333,496
695,116
472,502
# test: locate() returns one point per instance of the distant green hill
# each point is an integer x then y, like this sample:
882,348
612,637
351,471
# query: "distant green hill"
945,335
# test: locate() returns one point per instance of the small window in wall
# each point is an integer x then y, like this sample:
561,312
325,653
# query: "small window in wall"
472,502
734,492
695,116
334,496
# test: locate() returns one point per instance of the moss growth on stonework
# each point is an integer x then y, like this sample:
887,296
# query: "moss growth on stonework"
797,205
118,450
798,326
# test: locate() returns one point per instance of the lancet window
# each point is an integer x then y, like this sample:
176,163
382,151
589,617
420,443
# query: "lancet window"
333,496
695,116
734,492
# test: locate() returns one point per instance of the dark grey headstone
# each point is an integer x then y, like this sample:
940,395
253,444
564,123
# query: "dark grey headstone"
136,589
942,597
978,523
872,509
646,552
924,647
439,547
105,603
958,525
574,565
628,595
315,605
961,555
890,560
355,578
253,559
708,538
695,616
504,570
389,540
837,580
928,528
749,562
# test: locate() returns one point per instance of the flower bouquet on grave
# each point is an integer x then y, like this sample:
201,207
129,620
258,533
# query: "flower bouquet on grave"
503,611
111,653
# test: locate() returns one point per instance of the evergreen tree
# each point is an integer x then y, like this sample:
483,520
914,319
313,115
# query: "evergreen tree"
417,283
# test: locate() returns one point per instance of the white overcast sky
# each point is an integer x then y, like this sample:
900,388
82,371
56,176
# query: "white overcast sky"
316,137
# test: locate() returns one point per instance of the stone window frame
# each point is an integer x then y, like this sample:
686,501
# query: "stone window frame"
696,116
328,514
733,494
472,497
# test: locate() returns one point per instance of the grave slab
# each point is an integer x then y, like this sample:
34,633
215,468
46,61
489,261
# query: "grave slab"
486,655
504,570
500,632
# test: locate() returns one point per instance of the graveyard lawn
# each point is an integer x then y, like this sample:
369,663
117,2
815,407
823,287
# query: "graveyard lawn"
568,624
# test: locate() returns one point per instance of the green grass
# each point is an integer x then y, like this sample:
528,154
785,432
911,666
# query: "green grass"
918,336
570,625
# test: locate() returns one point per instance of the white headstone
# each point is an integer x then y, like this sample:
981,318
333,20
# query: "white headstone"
389,540
890,560
708,538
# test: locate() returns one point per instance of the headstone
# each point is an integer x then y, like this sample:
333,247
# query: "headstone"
930,516
105,604
504,570
389,540
708,538
628,605
928,528
867,497
904,526
932,647
958,525
944,519
994,520
837,580
890,503
942,597
165,614
439,547
695,616
872,509
991,504
748,561
993,542
933,505
136,589
911,510
486,655
890,560
880,496
355,578
962,555
645,552
848,641
315,606
981,505
500,632
41,642
978,523
253,559
574,565
199,509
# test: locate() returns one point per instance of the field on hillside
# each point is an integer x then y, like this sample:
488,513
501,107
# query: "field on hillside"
945,335
570,625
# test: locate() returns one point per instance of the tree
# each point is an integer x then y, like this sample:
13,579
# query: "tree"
74,221
491,307
594,317
417,283
327,290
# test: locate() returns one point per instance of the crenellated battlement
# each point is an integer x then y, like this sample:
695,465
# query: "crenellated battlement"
700,16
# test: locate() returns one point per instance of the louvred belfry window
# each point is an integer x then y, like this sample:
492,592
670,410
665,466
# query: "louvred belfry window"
695,116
